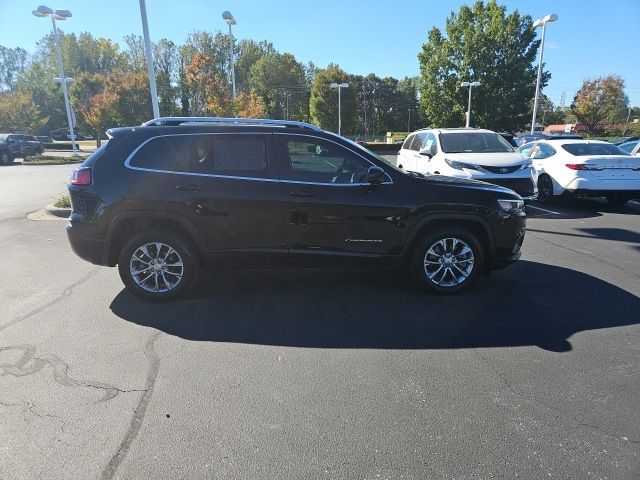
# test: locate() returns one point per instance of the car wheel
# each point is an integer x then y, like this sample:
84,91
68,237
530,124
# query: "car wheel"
545,188
617,199
447,260
158,265
5,158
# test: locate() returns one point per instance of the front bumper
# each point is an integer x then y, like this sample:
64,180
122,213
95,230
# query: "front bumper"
502,262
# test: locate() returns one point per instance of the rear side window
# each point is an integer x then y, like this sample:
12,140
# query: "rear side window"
160,153
582,149
228,155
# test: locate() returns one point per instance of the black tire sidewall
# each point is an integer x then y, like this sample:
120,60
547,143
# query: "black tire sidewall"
543,197
427,240
182,245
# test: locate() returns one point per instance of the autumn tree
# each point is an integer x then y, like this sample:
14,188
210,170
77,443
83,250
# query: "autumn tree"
248,105
18,114
209,94
101,112
597,99
480,43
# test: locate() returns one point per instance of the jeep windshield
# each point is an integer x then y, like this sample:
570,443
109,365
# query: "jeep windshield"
474,142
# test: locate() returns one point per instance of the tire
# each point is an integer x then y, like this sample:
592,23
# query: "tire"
457,275
545,189
5,158
173,280
617,200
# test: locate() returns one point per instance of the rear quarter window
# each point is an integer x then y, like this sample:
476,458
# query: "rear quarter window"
160,153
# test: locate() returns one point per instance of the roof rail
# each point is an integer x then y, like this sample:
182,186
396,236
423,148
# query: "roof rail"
229,121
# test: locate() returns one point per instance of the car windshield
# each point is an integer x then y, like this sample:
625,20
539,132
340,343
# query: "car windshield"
583,149
473,142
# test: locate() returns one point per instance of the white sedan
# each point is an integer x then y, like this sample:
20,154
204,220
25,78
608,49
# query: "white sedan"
584,168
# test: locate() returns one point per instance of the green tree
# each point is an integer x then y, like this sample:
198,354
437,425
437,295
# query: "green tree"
13,63
18,114
279,79
599,99
484,44
323,104
37,82
248,52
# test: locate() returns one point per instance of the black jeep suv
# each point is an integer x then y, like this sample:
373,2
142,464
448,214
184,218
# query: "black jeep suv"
163,199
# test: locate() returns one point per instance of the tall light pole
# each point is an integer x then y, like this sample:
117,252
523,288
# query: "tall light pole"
43,11
339,86
227,17
470,85
540,22
149,54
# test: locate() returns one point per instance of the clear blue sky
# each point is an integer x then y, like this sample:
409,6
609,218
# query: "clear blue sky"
591,37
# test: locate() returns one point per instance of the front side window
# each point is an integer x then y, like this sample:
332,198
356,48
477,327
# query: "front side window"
407,142
319,161
228,155
160,153
418,140
474,142
430,143
582,149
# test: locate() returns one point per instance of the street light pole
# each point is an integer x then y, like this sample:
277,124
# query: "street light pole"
43,11
470,85
149,54
339,86
227,17
541,21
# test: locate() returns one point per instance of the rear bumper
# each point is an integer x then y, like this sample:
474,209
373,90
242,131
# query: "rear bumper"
599,188
92,250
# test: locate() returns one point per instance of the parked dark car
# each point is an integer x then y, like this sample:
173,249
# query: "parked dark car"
15,145
163,199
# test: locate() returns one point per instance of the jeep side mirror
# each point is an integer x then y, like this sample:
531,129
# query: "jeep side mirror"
375,175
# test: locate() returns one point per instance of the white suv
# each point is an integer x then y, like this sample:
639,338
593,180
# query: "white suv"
468,153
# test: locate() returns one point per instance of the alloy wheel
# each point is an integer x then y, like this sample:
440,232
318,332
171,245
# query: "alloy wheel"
156,267
449,262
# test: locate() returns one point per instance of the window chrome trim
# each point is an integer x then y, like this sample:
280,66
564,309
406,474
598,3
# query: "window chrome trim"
127,162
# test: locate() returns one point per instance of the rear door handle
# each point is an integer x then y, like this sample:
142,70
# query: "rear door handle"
301,193
190,188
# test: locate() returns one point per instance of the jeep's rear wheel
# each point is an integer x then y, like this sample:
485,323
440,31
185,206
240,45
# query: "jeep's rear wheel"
158,265
447,260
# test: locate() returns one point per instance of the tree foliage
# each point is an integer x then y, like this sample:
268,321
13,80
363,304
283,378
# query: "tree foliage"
13,63
481,43
598,99
18,114
323,104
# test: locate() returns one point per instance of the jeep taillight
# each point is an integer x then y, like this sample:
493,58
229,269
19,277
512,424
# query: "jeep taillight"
81,176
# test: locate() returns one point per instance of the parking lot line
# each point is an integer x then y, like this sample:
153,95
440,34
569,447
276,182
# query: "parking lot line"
544,210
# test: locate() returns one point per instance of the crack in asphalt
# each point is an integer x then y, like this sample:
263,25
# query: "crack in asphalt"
139,412
29,363
66,293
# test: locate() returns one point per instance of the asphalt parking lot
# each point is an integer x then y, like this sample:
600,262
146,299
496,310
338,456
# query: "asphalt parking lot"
532,373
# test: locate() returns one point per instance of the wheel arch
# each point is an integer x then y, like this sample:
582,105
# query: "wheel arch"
124,225
476,225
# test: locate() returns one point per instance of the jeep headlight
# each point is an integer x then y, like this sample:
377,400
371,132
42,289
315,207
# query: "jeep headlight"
511,207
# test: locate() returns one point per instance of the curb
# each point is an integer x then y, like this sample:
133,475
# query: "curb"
58,212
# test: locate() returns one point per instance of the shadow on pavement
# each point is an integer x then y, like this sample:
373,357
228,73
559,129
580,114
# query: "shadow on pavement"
527,304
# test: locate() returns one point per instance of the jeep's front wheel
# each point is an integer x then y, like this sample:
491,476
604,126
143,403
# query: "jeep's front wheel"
447,260
158,265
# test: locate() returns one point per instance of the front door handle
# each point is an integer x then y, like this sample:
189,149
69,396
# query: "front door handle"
190,188
301,193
